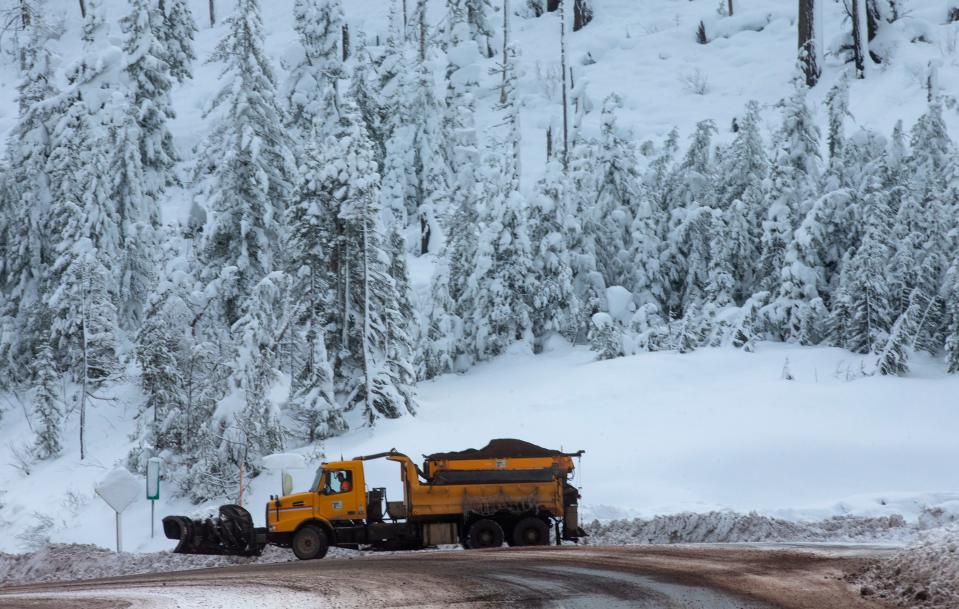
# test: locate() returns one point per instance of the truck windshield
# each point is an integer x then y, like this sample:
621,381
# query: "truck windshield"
316,481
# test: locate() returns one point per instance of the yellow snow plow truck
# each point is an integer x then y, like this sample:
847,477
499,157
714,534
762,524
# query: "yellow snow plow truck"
510,491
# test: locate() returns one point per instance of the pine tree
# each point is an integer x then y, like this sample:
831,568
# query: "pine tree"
617,199
364,91
605,337
868,289
465,193
84,274
149,72
555,307
745,165
176,37
444,328
313,405
369,364
257,426
158,348
312,90
795,177
47,408
247,164
500,285
894,355
837,103
27,199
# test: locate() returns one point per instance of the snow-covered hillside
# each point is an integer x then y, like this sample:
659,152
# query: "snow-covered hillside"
646,52
663,433
793,432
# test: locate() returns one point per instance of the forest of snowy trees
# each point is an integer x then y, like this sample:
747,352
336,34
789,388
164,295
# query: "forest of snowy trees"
292,266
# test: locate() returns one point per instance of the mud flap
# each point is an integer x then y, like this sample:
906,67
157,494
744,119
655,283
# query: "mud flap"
230,534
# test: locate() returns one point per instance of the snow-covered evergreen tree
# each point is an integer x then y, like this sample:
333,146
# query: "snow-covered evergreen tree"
176,37
313,86
795,177
47,407
370,366
617,198
555,306
27,200
247,165
501,284
894,355
868,289
149,72
158,346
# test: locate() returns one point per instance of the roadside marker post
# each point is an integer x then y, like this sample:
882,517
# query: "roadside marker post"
153,490
119,489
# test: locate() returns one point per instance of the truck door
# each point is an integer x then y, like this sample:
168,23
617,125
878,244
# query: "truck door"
341,493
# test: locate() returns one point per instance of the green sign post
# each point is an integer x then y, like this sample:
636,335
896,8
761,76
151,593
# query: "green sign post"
153,489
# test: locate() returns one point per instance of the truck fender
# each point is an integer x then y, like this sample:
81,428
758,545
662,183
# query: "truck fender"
322,523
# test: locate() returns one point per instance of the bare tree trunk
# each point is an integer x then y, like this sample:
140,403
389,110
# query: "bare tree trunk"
502,91
83,386
562,53
212,13
549,142
859,33
552,5
346,41
83,9
730,8
808,43
25,14
366,317
582,14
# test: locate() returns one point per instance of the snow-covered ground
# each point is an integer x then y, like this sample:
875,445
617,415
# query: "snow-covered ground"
663,433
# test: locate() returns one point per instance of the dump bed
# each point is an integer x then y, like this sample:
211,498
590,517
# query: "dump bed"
500,461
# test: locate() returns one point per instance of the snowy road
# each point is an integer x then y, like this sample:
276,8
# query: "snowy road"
643,577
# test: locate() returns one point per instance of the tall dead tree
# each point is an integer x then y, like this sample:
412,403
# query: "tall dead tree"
562,59
860,42
808,41
730,8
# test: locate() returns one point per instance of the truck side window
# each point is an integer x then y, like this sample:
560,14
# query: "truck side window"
339,481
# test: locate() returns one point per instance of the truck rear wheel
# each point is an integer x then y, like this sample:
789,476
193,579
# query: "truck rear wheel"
310,542
530,532
484,533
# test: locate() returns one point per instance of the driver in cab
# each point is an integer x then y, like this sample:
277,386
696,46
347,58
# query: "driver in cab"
343,484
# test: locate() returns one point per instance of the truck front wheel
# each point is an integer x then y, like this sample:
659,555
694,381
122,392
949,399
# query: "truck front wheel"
530,532
310,542
484,533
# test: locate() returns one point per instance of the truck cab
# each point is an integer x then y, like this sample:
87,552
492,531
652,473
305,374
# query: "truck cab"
337,496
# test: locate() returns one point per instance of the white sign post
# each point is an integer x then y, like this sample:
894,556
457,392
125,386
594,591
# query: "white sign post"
119,489
153,490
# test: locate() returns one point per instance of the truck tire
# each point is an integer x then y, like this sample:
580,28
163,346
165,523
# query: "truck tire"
310,542
530,532
484,533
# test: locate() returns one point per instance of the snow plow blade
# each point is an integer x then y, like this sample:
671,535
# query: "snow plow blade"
230,534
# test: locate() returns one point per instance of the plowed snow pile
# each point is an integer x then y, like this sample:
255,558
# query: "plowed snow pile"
731,527
926,574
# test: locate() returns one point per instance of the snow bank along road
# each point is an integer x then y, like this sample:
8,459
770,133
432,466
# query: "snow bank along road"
646,577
